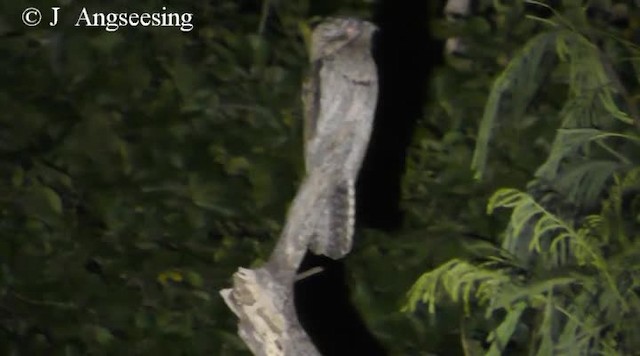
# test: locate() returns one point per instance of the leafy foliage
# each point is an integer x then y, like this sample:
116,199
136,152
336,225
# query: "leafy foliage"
558,281
586,294
513,90
139,169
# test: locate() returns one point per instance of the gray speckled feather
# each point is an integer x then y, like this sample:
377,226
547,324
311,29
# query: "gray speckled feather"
339,100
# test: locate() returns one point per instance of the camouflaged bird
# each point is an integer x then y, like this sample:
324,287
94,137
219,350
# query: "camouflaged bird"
339,100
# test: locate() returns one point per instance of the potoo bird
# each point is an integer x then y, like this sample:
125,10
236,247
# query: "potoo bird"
340,100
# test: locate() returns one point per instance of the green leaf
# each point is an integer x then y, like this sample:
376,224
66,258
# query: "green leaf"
17,179
201,295
512,92
499,338
102,335
52,198
584,183
566,143
194,279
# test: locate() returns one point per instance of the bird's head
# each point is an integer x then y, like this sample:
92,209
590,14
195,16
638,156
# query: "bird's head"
334,33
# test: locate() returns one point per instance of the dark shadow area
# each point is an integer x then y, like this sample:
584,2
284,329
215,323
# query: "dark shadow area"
405,54
326,313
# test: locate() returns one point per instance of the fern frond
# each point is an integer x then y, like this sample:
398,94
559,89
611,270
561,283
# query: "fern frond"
592,100
505,198
535,293
526,211
578,334
500,336
566,143
591,86
631,179
591,304
458,279
585,182
595,226
564,241
513,90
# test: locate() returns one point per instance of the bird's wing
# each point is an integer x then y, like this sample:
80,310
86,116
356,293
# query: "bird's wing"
335,220
311,103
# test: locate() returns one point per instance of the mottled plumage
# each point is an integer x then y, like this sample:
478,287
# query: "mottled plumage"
340,100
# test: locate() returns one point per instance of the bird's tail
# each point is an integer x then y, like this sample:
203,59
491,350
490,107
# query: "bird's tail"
333,233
